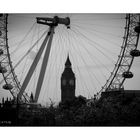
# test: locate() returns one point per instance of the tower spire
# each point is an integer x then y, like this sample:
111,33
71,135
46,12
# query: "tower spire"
68,63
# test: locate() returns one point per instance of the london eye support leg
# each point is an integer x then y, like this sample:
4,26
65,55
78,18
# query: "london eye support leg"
44,65
52,23
32,68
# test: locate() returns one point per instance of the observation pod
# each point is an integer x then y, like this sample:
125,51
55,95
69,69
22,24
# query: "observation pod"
7,87
0,33
3,70
135,53
137,29
127,74
1,15
1,52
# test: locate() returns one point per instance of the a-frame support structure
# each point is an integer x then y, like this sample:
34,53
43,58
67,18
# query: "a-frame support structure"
52,23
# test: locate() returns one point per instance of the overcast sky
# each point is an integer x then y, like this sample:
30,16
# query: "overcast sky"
93,44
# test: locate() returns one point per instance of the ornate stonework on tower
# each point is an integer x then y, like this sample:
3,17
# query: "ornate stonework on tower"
67,82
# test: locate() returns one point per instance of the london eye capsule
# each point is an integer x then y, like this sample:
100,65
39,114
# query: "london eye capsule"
3,70
135,53
1,15
7,86
137,29
0,33
1,52
127,74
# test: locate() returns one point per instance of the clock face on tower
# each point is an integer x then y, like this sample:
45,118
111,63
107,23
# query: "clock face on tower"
64,82
71,82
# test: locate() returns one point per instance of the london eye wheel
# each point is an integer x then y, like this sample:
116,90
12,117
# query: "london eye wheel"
101,48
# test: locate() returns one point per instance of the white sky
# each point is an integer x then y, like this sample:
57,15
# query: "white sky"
93,44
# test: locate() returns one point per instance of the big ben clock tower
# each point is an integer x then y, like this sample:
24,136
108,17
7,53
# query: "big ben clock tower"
67,82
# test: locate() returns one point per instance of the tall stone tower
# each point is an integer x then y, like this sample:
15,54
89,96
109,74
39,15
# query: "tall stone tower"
67,82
